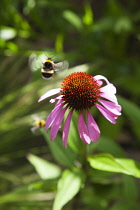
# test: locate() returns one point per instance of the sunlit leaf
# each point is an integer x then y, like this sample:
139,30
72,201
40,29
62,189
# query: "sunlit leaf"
7,33
107,162
73,19
25,197
68,186
59,43
88,17
45,169
12,46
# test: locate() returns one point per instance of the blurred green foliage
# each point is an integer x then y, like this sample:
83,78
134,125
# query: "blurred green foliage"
105,37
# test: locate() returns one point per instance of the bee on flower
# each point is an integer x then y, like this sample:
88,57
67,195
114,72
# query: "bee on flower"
80,92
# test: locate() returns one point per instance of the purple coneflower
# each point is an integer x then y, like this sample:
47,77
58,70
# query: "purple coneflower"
79,92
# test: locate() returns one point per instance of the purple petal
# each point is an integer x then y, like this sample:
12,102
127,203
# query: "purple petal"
56,124
100,77
83,131
112,107
52,116
54,99
66,128
107,114
109,96
49,93
93,128
99,82
110,89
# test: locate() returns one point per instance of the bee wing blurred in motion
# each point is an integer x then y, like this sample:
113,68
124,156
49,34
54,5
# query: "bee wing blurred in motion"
61,66
35,61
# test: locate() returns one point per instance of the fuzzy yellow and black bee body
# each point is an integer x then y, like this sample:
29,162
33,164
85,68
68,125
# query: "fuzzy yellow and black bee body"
39,123
49,68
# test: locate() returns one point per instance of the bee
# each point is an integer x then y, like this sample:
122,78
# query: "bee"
38,123
49,68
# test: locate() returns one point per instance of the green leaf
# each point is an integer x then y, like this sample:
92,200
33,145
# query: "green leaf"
12,46
68,186
7,33
88,17
30,192
121,205
73,19
107,162
107,145
123,24
59,42
110,130
114,8
64,156
130,188
132,111
45,169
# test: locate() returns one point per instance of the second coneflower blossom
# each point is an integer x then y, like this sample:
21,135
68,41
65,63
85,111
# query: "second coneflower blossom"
80,92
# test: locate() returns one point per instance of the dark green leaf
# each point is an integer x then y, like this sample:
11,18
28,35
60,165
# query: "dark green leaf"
65,156
132,112
130,188
107,145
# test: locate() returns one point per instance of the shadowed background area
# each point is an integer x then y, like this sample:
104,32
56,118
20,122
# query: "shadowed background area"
103,37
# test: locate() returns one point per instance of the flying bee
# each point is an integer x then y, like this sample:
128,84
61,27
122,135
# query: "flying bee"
49,68
38,123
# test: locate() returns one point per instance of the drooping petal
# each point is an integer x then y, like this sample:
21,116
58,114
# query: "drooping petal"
66,128
56,124
100,77
109,97
83,131
110,89
49,93
52,116
93,128
107,114
112,107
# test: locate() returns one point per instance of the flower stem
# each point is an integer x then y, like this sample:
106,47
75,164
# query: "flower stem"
85,154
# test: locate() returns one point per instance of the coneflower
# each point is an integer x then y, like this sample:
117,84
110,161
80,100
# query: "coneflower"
80,92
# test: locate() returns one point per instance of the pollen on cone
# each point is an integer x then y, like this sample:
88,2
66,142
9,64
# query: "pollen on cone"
80,91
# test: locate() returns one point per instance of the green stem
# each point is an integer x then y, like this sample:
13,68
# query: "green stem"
85,154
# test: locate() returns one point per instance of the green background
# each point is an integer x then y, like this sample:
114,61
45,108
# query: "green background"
101,36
